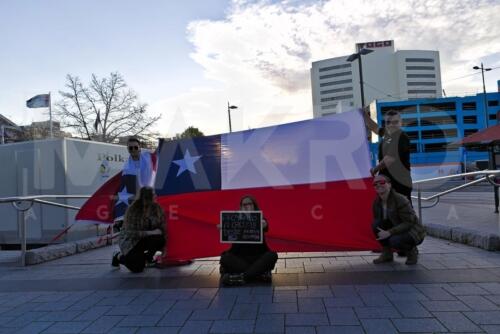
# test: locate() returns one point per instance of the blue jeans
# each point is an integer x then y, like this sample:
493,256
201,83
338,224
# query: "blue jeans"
403,241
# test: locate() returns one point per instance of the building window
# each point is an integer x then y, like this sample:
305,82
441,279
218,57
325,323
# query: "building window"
409,122
419,60
470,119
421,91
340,74
330,91
336,98
436,134
437,147
332,83
469,106
329,106
438,120
413,135
336,67
327,113
401,109
427,68
492,117
493,103
437,107
421,84
468,132
409,76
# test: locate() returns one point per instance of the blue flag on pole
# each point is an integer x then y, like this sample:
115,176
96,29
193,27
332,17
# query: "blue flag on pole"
38,101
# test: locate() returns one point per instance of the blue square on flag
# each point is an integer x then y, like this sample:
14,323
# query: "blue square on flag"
189,165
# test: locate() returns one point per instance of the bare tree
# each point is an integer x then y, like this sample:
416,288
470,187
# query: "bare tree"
105,110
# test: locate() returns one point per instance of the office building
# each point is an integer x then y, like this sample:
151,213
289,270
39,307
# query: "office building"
388,75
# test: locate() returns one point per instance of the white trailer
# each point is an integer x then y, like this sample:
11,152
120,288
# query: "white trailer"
62,166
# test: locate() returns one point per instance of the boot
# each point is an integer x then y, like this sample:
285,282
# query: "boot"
115,262
385,256
412,256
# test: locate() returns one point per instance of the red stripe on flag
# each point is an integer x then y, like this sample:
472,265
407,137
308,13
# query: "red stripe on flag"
329,216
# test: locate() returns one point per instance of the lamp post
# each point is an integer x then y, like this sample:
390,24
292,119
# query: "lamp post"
484,93
491,162
229,107
353,57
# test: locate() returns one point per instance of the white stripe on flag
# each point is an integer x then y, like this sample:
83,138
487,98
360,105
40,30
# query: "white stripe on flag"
332,148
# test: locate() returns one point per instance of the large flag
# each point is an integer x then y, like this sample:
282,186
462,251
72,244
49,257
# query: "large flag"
310,178
39,101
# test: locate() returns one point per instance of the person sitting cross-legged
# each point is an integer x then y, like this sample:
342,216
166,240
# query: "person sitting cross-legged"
243,262
395,225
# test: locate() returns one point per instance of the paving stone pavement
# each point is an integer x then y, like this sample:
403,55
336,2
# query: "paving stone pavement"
453,289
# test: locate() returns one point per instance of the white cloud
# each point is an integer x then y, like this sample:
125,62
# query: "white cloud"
261,53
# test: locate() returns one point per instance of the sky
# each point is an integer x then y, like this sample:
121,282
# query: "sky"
188,59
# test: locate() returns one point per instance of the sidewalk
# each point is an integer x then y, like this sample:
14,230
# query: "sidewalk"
466,217
454,288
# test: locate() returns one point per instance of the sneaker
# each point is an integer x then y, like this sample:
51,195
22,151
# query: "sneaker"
232,279
115,262
385,256
151,264
237,279
267,277
412,256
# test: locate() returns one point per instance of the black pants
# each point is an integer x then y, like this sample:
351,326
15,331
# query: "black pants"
135,260
251,267
403,241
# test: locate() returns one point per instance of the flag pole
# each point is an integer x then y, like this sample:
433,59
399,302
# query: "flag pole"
50,116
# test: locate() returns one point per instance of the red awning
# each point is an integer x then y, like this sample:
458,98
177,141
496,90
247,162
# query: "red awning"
488,136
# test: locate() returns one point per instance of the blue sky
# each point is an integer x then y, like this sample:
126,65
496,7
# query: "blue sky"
186,59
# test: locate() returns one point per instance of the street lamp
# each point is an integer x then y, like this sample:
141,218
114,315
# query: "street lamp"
353,57
229,107
484,92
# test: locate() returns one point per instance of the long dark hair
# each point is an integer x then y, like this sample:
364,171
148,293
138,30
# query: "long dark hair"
254,201
144,202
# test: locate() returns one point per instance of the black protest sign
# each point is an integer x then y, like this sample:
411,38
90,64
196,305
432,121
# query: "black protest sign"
241,227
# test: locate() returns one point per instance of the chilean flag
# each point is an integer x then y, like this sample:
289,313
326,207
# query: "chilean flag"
311,180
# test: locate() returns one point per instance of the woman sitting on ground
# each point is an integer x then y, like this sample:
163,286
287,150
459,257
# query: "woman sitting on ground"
143,233
395,225
244,262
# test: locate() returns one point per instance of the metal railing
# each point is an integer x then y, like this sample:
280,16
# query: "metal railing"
23,203
489,175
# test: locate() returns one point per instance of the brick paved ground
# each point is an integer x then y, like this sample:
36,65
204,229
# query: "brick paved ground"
454,289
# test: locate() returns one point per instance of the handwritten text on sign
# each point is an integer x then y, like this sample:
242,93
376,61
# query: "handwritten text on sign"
241,226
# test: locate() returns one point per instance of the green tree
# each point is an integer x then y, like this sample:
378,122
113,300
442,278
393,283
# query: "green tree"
190,132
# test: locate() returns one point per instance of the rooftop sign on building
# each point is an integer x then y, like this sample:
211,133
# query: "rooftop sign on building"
374,45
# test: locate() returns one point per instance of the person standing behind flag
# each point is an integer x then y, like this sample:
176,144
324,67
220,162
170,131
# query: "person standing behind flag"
393,153
143,233
243,262
138,171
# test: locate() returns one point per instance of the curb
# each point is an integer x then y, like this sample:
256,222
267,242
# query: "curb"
484,240
52,252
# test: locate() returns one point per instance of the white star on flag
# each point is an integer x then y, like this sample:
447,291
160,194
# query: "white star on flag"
124,196
187,163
